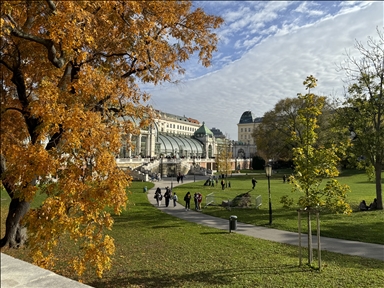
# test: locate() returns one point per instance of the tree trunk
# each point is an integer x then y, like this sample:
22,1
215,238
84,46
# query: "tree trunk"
379,194
310,256
15,235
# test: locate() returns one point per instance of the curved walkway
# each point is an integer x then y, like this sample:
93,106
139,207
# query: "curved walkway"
354,248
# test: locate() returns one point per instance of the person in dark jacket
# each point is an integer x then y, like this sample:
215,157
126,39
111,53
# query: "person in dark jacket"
187,199
373,205
167,197
363,206
254,181
158,196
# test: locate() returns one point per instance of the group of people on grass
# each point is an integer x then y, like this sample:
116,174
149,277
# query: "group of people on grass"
197,197
363,206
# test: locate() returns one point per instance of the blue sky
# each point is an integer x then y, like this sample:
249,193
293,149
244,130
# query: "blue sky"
266,50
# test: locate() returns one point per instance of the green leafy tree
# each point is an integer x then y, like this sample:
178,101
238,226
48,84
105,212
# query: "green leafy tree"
273,135
363,111
315,162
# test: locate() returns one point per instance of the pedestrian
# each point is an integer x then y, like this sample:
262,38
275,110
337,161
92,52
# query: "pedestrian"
254,181
158,196
199,200
187,199
167,197
174,199
195,200
222,184
284,178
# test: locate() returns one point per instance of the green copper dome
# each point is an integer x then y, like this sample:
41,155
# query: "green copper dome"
203,131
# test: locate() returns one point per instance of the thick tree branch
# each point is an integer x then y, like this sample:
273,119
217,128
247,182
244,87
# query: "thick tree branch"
51,5
57,62
6,65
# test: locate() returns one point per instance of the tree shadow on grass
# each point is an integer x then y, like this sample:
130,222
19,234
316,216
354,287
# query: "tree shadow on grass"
209,277
165,226
214,233
328,257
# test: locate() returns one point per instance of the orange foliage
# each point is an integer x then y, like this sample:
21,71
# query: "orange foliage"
69,93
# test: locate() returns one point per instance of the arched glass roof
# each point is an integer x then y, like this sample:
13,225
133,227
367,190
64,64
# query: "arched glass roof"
170,144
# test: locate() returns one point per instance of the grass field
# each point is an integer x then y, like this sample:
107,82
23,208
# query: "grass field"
154,249
359,226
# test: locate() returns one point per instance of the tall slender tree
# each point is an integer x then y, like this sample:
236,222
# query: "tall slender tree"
363,110
69,91
223,159
315,163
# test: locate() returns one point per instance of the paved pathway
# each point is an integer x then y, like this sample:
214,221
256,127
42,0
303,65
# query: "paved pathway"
354,248
16,273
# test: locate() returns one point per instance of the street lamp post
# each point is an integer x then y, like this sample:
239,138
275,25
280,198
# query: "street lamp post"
268,172
194,163
161,167
172,176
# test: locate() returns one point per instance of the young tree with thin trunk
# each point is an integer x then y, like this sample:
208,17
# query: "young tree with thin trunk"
224,158
70,73
315,163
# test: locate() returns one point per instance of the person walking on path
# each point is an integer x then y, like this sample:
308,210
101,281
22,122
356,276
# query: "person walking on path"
187,199
174,199
254,181
167,196
158,196
195,200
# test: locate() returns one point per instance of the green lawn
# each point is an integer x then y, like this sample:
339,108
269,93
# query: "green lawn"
359,226
154,249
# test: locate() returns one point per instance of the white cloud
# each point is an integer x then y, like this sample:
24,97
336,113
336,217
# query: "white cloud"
273,69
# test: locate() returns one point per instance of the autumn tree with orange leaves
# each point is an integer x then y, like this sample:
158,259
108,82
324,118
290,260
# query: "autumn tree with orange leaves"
70,73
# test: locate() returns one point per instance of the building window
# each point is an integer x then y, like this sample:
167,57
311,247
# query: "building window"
241,130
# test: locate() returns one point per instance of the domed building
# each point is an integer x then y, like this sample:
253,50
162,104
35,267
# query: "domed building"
245,146
178,144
